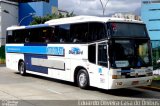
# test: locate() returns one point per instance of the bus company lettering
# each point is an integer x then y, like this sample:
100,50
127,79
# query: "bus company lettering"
59,51
75,51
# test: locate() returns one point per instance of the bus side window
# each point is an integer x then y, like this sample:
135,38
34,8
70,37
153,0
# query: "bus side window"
64,33
75,38
79,32
47,35
92,53
102,54
10,37
54,36
17,36
26,40
96,31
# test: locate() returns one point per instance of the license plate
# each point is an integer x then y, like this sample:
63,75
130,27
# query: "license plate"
135,82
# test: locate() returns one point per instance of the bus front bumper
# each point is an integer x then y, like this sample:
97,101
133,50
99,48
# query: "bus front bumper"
130,82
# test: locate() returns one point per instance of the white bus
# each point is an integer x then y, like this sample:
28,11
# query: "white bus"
107,53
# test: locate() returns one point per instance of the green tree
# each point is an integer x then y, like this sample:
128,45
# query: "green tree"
41,20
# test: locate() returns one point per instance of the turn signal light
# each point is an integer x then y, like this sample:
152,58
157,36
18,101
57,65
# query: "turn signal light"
116,76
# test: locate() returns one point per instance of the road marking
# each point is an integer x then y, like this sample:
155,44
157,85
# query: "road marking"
54,91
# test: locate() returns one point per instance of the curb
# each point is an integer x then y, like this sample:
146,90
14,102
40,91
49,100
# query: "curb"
150,88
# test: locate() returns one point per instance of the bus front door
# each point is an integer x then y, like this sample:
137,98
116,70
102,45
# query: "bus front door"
99,64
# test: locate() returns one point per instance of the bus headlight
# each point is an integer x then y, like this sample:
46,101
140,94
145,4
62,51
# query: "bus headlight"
149,72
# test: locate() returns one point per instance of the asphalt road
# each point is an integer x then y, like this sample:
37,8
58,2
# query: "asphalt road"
33,90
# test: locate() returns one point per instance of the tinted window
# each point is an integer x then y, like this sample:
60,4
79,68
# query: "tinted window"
130,53
16,36
79,32
64,33
97,31
35,35
92,53
39,35
74,33
102,54
127,29
9,37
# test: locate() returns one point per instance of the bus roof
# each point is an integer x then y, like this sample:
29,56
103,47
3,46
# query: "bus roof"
75,19
81,19
27,27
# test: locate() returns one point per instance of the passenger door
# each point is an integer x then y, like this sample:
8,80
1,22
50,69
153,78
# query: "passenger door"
98,64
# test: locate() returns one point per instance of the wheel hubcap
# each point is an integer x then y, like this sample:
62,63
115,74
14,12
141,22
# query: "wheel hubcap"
82,79
22,68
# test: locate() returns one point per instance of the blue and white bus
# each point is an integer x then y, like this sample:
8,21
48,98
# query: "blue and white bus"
107,53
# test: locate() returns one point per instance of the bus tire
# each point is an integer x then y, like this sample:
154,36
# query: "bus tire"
22,68
83,79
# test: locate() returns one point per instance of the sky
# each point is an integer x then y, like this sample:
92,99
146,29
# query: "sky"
93,7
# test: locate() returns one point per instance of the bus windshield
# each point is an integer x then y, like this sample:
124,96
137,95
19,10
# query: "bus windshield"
130,53
120,29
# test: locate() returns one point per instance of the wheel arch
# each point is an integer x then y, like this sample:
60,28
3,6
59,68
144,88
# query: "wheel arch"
77,69
20,60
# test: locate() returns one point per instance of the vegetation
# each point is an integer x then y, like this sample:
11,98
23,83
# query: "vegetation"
2,54
156,54
156,78
41,20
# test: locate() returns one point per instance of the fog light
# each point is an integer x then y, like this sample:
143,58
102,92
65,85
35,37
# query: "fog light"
149,74
119,83
149,80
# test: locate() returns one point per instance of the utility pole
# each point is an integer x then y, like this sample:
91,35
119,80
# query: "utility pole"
104,6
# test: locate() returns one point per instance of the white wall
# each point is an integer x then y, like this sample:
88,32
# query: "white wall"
7,19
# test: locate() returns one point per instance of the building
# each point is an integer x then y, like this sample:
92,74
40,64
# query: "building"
126,15
37,8
8,17
20,12
30,8
150,14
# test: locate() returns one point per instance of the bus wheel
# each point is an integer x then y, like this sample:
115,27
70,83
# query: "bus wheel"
83,79
22,68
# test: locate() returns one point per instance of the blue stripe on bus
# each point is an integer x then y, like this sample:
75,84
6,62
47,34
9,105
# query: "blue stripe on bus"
30,67
57,51
36,26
